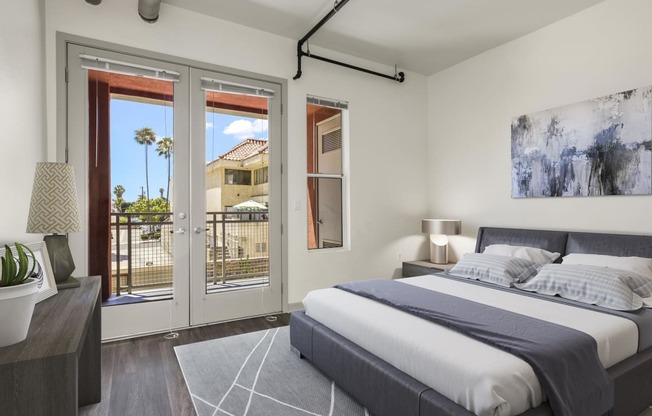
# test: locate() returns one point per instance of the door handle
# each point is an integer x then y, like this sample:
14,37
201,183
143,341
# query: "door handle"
199,230
320,221
180,231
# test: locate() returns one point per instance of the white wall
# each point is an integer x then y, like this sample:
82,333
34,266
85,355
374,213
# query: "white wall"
602,50
388,129
22,113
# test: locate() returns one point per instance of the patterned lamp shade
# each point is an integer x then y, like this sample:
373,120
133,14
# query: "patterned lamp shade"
54,207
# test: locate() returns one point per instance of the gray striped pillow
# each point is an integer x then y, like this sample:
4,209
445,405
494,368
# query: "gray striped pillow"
500,270
602,286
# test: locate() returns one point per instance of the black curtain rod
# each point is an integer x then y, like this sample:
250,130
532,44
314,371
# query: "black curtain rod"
399,76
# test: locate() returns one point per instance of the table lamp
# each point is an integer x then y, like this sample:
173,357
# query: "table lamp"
54,209
439,231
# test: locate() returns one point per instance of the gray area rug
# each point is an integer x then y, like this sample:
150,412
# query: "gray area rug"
257,374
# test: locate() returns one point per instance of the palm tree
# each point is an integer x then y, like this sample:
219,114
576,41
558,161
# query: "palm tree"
118,191
146,136
165,148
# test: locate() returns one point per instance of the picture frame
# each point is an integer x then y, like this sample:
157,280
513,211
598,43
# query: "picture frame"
47,286
597,147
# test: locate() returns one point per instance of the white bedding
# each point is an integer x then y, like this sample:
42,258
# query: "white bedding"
481,378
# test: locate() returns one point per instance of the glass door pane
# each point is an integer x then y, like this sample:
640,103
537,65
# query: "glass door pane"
141,114
237,191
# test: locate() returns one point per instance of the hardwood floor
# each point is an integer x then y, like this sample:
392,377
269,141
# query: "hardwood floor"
141,377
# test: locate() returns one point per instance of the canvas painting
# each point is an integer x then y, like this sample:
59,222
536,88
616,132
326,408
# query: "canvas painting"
593,148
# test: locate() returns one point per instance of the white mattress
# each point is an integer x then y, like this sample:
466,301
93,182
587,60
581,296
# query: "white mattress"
481,378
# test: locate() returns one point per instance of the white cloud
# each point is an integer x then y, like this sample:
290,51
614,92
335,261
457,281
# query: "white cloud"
209,125
245,129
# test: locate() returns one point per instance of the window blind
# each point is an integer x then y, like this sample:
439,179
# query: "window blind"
208,84
326,102
125,68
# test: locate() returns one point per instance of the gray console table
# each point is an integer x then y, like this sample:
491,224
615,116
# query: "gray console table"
58,367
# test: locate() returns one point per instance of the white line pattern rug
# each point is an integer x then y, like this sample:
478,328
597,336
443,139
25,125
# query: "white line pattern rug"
256,374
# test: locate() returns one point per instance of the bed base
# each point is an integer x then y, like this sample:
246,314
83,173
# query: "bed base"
386,391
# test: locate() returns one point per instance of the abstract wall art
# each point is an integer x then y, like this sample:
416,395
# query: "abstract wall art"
597,147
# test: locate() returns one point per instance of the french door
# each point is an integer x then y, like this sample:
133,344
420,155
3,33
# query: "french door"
236,197
181,208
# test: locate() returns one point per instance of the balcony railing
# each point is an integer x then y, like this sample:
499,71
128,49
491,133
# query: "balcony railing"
236,244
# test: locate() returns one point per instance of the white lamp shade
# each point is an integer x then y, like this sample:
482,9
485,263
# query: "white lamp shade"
436,226
54,207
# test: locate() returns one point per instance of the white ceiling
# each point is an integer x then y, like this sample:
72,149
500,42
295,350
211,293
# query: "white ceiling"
423,36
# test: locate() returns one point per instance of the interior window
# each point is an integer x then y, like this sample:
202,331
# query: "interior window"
325,172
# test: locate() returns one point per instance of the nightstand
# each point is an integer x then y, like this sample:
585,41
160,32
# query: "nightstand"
423,267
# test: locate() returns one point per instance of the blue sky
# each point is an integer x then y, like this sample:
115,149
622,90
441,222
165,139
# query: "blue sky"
128,157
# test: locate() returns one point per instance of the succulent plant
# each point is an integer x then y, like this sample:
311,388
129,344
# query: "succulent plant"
15,270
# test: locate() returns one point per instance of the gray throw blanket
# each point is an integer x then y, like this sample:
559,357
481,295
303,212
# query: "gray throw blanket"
565,360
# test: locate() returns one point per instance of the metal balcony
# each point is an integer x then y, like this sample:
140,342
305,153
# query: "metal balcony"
142,252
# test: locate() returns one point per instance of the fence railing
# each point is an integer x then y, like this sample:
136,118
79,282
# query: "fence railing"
142,250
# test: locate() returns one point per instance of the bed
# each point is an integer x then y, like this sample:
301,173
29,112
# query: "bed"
324,337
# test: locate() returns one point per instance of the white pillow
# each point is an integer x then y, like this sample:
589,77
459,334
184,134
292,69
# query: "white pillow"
537,255
639,265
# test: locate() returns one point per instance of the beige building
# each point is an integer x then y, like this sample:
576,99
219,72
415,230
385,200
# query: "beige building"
239,175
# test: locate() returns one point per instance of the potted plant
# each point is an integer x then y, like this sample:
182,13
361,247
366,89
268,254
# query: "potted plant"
17,294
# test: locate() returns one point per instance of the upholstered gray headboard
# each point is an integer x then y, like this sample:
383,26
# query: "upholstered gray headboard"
554,241
611,244
566,242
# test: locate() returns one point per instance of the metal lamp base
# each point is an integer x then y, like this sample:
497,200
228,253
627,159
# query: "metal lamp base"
438,254
61,261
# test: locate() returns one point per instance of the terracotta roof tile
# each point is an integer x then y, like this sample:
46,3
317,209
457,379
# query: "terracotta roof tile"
246,149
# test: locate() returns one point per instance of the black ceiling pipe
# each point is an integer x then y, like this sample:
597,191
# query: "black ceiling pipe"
399,76
300,53
336,8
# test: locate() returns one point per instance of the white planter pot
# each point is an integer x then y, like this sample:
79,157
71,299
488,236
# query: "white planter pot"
16,308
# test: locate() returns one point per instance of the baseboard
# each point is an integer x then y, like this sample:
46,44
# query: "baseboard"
182,328
295,307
